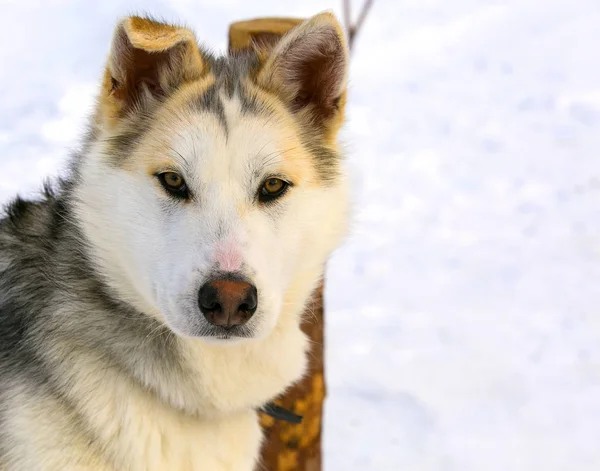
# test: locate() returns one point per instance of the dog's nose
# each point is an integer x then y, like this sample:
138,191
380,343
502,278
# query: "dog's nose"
227,303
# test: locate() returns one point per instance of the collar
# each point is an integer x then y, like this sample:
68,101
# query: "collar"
280,413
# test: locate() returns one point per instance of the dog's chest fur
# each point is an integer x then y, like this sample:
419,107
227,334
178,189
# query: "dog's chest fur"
137,435
105,420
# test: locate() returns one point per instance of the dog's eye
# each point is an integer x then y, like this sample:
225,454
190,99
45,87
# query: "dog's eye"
271,189
174,184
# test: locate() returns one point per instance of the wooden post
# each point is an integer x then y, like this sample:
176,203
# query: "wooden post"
290,447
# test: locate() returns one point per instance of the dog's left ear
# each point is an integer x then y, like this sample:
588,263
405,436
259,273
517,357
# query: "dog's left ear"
308,69
147,61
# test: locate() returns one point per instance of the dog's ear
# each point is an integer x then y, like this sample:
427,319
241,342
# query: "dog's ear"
147,61
308,69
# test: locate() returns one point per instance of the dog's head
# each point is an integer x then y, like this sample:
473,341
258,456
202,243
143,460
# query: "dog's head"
212,190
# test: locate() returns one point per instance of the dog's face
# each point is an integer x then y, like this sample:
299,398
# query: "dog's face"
212,192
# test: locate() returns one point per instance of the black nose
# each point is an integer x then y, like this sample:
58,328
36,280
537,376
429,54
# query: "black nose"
227,303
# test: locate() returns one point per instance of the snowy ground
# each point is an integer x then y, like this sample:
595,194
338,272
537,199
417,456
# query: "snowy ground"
462,323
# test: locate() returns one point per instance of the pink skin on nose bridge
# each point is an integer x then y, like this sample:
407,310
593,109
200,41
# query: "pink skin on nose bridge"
228,256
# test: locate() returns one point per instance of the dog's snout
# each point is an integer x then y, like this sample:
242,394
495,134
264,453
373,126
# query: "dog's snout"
227,303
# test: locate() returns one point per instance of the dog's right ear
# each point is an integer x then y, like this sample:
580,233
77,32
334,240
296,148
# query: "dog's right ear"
148,61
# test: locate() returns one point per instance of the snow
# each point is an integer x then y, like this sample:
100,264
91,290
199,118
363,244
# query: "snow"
462,331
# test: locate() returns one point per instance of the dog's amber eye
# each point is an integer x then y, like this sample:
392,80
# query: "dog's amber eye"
173,179
174,184
272,188
273,185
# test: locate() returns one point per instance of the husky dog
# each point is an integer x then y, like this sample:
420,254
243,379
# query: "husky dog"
150,300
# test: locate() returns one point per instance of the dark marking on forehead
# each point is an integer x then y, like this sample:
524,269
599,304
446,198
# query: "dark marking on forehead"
250,103
120,146
230,72
123,143
211,101
326,161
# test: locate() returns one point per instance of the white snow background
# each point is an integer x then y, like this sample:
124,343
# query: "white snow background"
463,330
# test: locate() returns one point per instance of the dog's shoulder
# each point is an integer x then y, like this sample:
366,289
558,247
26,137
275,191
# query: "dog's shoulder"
29,221
27,229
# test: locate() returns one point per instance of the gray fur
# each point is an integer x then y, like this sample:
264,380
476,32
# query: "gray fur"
229,71
43,265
